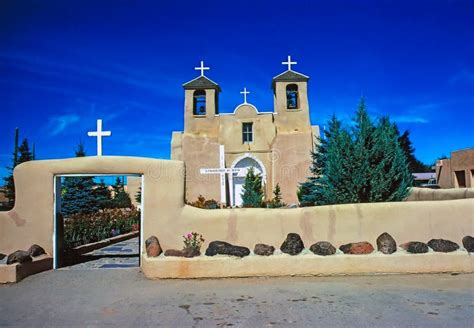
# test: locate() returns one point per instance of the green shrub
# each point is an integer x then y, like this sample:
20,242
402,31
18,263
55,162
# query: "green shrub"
253,191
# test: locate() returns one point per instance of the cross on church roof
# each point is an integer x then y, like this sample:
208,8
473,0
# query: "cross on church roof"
245,93
289,63
202,68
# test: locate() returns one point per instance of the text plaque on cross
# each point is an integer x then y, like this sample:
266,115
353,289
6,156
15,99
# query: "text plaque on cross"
222,171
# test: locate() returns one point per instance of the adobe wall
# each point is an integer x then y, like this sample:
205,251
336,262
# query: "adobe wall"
339,224
461,160
166,216
444,174
31,220
423,194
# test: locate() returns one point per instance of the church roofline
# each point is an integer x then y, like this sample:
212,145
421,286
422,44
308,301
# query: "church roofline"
289,76
245,104
201,82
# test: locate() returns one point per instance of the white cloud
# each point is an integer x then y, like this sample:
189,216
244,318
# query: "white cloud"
409,119
58,124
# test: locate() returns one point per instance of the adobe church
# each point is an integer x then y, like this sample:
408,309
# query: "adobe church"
218,148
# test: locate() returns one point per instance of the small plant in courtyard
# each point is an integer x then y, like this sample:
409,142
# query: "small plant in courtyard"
193,240
253,191
276,202
202,202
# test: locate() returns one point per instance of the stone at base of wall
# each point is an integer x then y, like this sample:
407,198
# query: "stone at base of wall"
16,272
306,265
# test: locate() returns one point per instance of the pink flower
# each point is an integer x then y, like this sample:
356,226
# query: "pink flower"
189,235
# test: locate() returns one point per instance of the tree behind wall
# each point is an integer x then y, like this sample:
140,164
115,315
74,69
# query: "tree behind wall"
253,192
121,198
21,154
414,164
358,165
78,194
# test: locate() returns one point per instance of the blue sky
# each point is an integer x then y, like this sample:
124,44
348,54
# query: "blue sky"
63,64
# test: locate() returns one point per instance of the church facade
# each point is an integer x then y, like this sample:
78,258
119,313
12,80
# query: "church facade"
218,148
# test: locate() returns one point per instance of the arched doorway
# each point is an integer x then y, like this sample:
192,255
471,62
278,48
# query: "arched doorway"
238,179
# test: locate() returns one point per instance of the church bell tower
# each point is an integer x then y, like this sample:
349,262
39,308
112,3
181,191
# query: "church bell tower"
290,95
200,103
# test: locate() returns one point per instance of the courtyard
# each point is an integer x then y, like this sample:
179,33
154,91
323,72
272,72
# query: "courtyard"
124,297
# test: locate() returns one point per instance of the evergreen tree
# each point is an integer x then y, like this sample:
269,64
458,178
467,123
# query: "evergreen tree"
80,150
363,164
102,194
79,194
276,201
21,154
138,196
253,192
414,164
24,152
121,198
330,180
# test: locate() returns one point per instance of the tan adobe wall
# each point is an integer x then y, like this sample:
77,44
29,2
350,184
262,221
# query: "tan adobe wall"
31,220
291,120
461,161
166,216
291,163
201,125
444,174
423,194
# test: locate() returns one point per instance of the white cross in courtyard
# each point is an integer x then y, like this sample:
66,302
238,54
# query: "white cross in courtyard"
222,171
99,134
245,93
289,63
202,68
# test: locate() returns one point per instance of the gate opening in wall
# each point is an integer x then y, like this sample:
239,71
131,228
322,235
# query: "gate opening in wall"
98,221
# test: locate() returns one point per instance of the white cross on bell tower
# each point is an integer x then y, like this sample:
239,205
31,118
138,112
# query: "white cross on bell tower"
289,63
99,134
245,93
202,68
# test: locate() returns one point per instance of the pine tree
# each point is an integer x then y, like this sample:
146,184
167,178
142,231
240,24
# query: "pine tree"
102,194
121,198
363,164
414,164
79,195
80,150
138,195
390,178
253,192
277,199
25,153
21,154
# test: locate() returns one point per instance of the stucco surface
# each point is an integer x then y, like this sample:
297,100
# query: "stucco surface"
167,217
282,140
306,265
31,220
422,194
16,272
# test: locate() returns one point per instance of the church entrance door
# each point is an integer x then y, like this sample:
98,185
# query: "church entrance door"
239,178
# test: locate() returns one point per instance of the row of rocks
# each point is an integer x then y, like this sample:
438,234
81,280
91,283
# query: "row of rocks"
21,256
293,245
